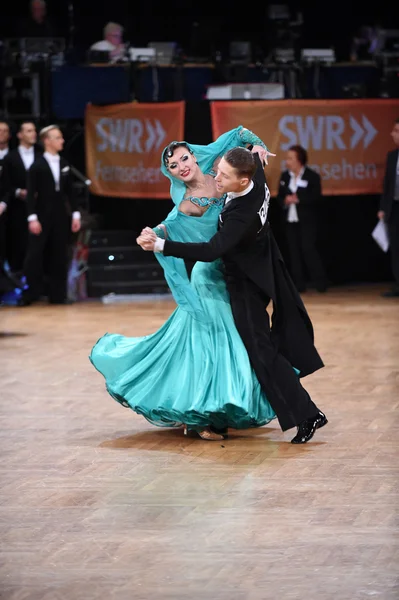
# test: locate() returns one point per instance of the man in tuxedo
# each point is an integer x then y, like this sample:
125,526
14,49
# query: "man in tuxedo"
389,208
300,196
50,199
255,274
15,168
4,150
6,285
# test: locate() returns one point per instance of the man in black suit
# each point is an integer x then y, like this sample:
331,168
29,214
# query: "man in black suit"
15,168
255,274
4,150
50,199
300,196
6,285
389,208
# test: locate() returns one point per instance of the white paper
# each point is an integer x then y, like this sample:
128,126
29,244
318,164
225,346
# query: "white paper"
380,235
303,183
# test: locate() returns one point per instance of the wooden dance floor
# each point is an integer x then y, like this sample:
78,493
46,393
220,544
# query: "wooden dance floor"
97,504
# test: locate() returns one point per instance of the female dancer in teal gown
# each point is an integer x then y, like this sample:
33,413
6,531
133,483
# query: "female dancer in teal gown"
195,369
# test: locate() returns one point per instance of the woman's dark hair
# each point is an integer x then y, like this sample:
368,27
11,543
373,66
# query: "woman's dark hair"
301,154
242,160
170,149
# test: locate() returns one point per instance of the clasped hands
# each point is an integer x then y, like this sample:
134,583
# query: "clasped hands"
291,199
147,239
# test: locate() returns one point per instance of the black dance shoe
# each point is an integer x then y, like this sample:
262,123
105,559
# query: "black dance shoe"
224,431
307,428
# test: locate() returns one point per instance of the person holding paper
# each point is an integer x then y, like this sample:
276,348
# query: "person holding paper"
389,208
300,195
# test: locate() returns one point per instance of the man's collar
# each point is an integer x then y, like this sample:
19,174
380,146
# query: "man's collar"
232,195
22,148
53,157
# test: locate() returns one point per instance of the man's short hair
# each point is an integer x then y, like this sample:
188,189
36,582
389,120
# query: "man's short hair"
21,125
112,27
44,133
301,154
242,160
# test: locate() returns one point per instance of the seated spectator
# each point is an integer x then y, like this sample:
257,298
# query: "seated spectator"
112,43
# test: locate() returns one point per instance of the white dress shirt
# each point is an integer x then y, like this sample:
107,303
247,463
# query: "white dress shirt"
27,156
160,243
3,205
292,216
231,195
54,164
3,153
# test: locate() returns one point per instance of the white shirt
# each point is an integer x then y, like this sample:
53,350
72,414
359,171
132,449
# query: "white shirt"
160,243
3,205
54,164
292,216
232,195
3,153
106,46
103,46
27,155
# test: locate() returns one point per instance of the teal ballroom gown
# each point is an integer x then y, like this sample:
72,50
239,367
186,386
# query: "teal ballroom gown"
195,369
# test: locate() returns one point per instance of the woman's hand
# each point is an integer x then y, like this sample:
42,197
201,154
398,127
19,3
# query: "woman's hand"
147,239
263,154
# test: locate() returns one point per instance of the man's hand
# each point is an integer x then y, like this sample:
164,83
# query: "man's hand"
35,227
381,215
75,225
263,154
22,194
147,239
145,243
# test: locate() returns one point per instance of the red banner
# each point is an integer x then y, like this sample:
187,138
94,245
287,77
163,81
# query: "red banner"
347,140
124,143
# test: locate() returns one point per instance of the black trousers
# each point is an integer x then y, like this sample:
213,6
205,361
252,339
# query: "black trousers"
289,400
393,231
16,235
48,252
6,285
302,250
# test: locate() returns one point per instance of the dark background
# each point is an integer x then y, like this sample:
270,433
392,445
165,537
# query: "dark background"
324,22
349,252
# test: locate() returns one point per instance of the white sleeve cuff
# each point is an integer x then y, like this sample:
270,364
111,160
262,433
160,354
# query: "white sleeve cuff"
32,217
76,215
159,245
3,205
17,191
